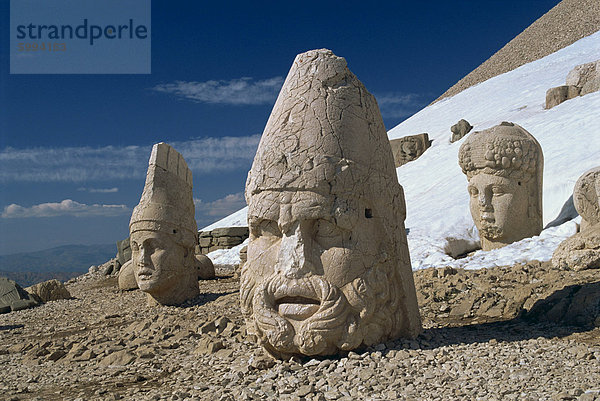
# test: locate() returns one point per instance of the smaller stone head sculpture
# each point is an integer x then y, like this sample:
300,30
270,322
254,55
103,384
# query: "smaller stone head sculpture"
328,267
586,197
504,166
163,231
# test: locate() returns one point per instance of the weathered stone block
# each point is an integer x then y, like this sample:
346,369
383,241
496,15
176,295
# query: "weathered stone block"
123,251
555,96
51,290
229,241
409,148
230,232
460,129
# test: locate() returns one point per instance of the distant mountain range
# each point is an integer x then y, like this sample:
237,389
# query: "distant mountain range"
62,263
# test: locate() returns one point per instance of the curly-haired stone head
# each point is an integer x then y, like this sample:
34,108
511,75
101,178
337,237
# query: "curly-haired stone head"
328,267
504,166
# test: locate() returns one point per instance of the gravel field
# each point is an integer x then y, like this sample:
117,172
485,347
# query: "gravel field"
490,334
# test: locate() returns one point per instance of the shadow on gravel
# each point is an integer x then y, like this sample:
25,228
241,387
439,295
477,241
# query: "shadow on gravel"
574,309
11,327
206,298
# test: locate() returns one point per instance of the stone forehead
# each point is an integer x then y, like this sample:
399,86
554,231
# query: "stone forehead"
506,146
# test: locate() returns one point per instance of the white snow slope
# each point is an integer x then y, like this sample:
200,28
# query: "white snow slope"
436,196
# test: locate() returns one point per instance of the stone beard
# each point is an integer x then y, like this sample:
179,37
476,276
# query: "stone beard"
321,278
504,168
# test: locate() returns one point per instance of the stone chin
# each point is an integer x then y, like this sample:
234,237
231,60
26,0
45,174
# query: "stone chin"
311,316
490,230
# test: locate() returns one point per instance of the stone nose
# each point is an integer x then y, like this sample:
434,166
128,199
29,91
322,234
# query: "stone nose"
485,200
144,257
293,260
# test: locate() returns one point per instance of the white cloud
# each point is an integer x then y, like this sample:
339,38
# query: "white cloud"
220,207
80,164
99,190
241,91
67,207
394,105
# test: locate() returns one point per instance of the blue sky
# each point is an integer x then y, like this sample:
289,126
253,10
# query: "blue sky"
74,148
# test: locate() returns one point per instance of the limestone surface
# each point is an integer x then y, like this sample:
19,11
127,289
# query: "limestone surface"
205,267
579,252
13,297
559,94
163,231
123,251
126,278
504,166
409,148
586,197
327,264
460,129
585,76
51,290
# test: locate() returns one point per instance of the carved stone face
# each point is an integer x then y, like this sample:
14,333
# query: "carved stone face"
305,276
159,262
499,208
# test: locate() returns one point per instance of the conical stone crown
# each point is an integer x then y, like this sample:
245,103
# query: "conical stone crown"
325,133
167,200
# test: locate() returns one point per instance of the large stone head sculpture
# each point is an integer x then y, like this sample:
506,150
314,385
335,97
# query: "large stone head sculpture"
504,165
586,197
163,231
328,267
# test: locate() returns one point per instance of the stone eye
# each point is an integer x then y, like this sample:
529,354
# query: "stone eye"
498,191
268,228
473,191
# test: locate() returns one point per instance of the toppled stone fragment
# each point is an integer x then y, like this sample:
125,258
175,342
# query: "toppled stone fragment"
460,129
585,76
206,269
13,297
579,252
127,279
409,148
327,264
123,251
163,231
586,197
51,290
560,94
504,166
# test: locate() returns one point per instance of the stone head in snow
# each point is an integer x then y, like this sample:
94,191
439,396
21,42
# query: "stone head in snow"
504,166
163,231
586,197
328,267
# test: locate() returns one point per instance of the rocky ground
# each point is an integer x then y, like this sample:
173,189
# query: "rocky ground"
495,334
